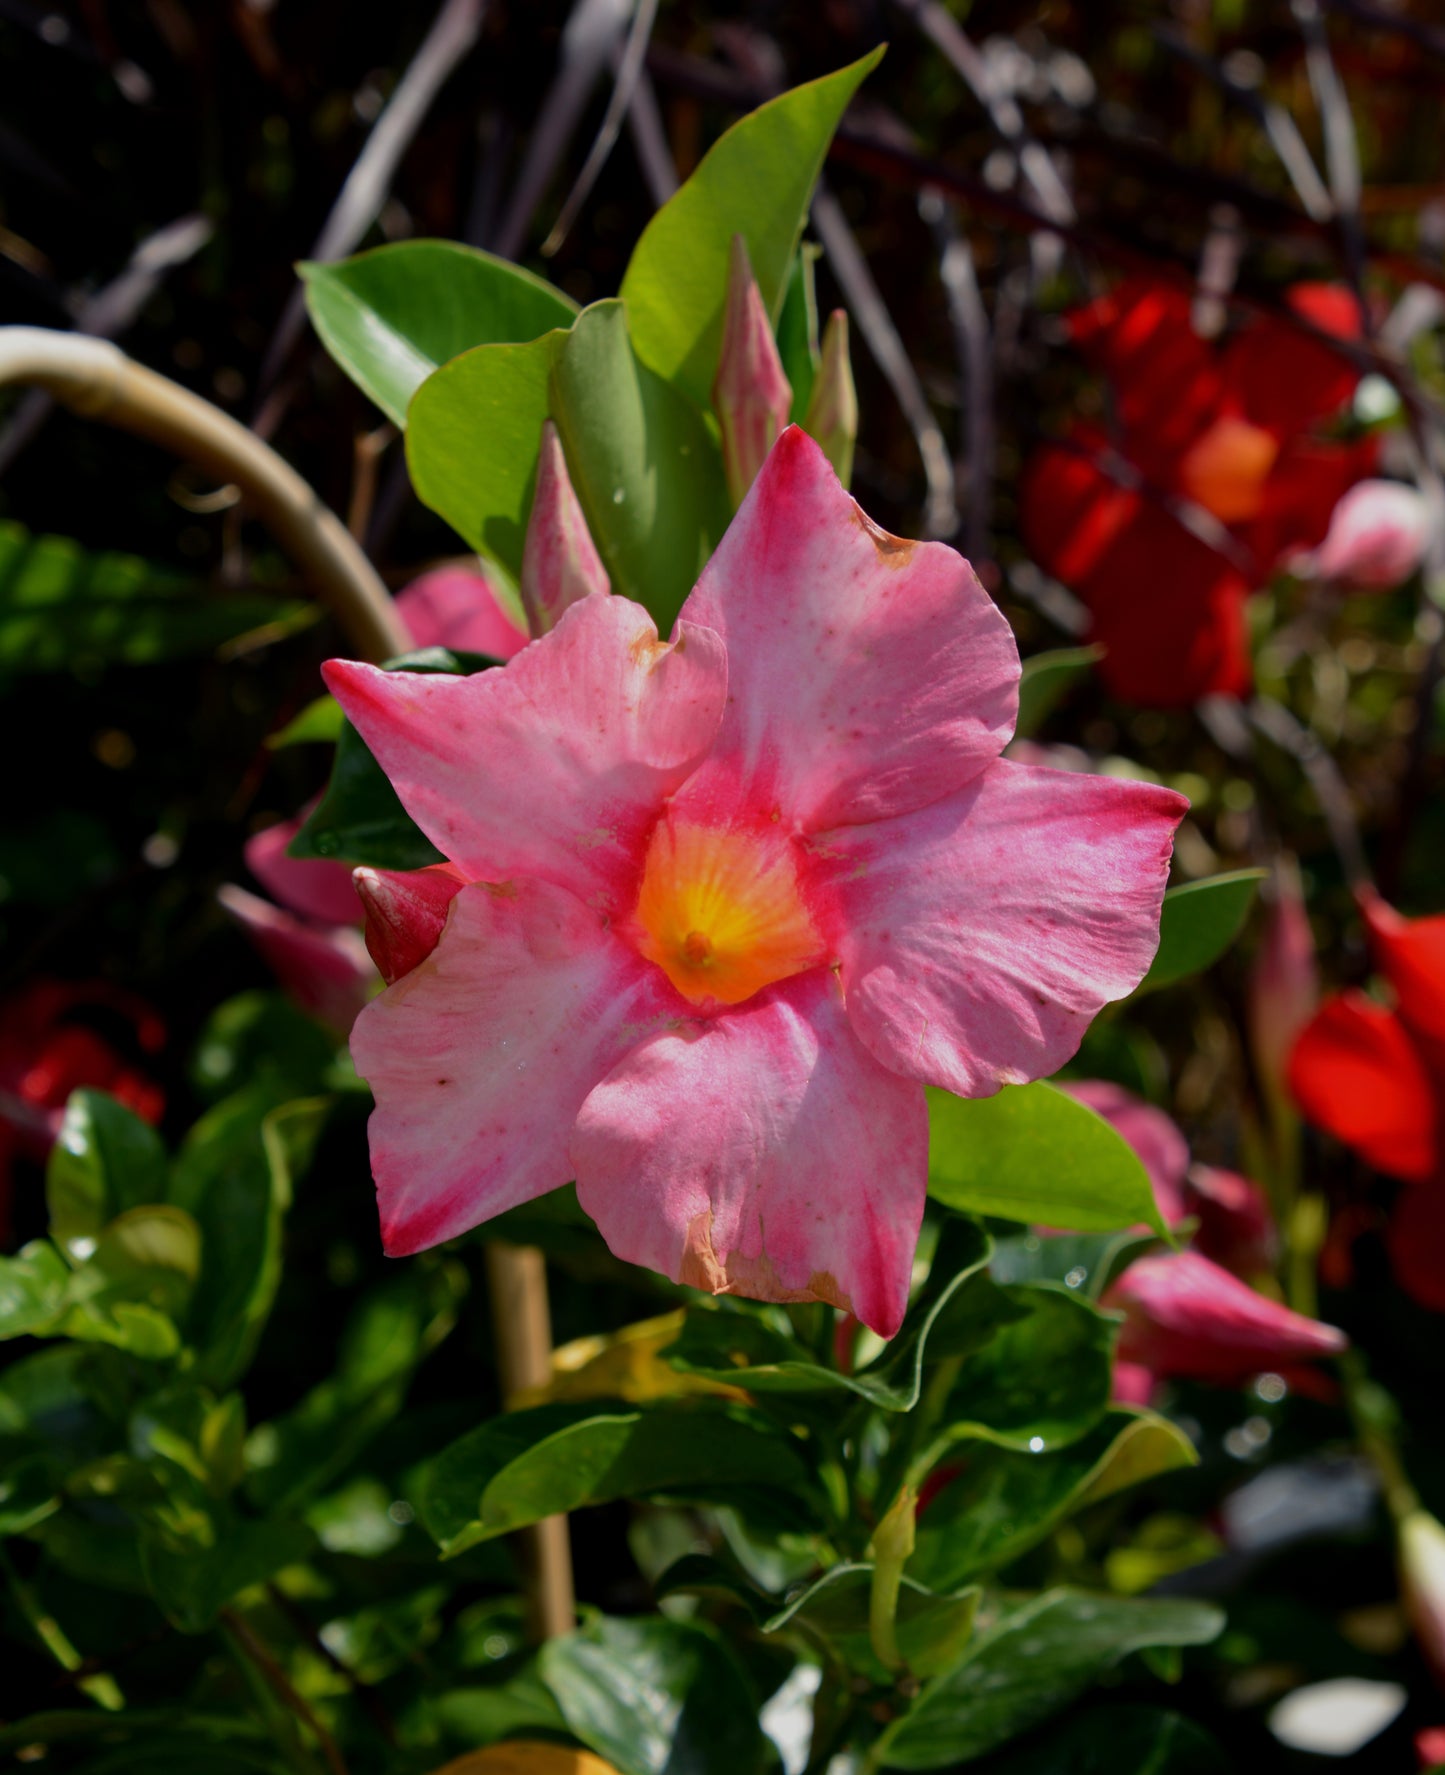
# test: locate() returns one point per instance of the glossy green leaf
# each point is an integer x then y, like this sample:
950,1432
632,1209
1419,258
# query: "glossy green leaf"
62,607
360,818
932,1629
32,1289
1046,680
391,316
1087,1262
474,432
656,1697
319,720
1198,923
1029,1666
1041,1381
106,1159
193,1580
1001,1501
757,181
798,329
261,1038
1117,1740
557,1458
234,1174
740,1349
1035,1154
644,464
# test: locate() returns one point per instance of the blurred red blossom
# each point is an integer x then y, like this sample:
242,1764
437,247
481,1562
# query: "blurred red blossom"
49,1047
1373,1075
1214,475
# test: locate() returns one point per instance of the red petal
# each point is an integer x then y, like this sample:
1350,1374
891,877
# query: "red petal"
1410,953
1417,1243
1282,378
1165,376
1308,481
1356,1073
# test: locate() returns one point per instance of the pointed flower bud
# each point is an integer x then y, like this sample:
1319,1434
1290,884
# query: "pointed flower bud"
560,563
323,967
832,416
405,912
1236,1229
1184,1315
1422,1584
751,395
1284,983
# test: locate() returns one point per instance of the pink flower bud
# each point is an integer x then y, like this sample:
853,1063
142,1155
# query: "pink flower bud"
1377,536
405,912
1236,1228
751,395
1186,1316
1422,1584
462,607
325,968
560,563
312,887
832,416
1284,984
1430,1747
1161,1148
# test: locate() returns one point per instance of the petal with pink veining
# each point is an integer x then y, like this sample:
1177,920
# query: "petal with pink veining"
983,934
557,765
867,676
763,1151
481,1056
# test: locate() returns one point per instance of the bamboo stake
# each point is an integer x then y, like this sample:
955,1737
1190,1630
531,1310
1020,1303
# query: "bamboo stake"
98,381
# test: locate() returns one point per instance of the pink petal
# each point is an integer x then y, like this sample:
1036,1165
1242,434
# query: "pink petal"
1236,1229
316,889
764,1153
1283,989
556,766
867,676
1377,536
460,607
560,563
1163,1151
481,1056
983,934
405,913
325,969
1133,1384
1185,1315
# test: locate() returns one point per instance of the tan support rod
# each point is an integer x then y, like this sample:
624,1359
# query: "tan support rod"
98,381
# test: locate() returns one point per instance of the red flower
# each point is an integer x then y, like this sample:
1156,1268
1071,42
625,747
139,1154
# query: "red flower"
1215,476
48,1049
1374,1076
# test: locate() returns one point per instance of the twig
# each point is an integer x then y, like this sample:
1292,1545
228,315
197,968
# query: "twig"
876,325
370,1701
97,380
1277,723
588,40
1342,151
969,321
367,453
264,1660
517,1282
453,32
624,89
110,311
654,156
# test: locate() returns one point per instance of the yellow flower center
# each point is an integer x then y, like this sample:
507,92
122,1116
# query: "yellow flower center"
1227,467
721,912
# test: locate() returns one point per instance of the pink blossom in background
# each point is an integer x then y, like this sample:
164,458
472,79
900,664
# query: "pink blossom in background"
1376,540
731,900
460,607
1283,989
1185,1316
1162,1149
1430,1747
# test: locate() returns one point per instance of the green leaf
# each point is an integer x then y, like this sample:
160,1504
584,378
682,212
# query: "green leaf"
261,1038
1030,1665
1033,1153
798,329
737,1347
558,1458
392,316
757,181
1041,1381
62,608
1003,1501
192,1582
1118,1740
360,818
1198,923
474,432
932,1629
234,1174
320,720
1046,679
644,464
656,1697
105,1159
32,1289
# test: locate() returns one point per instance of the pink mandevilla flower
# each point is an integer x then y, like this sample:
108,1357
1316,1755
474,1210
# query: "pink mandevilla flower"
718,908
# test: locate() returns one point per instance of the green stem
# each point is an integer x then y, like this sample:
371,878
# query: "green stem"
1304,1236
1374,1415
102,1689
